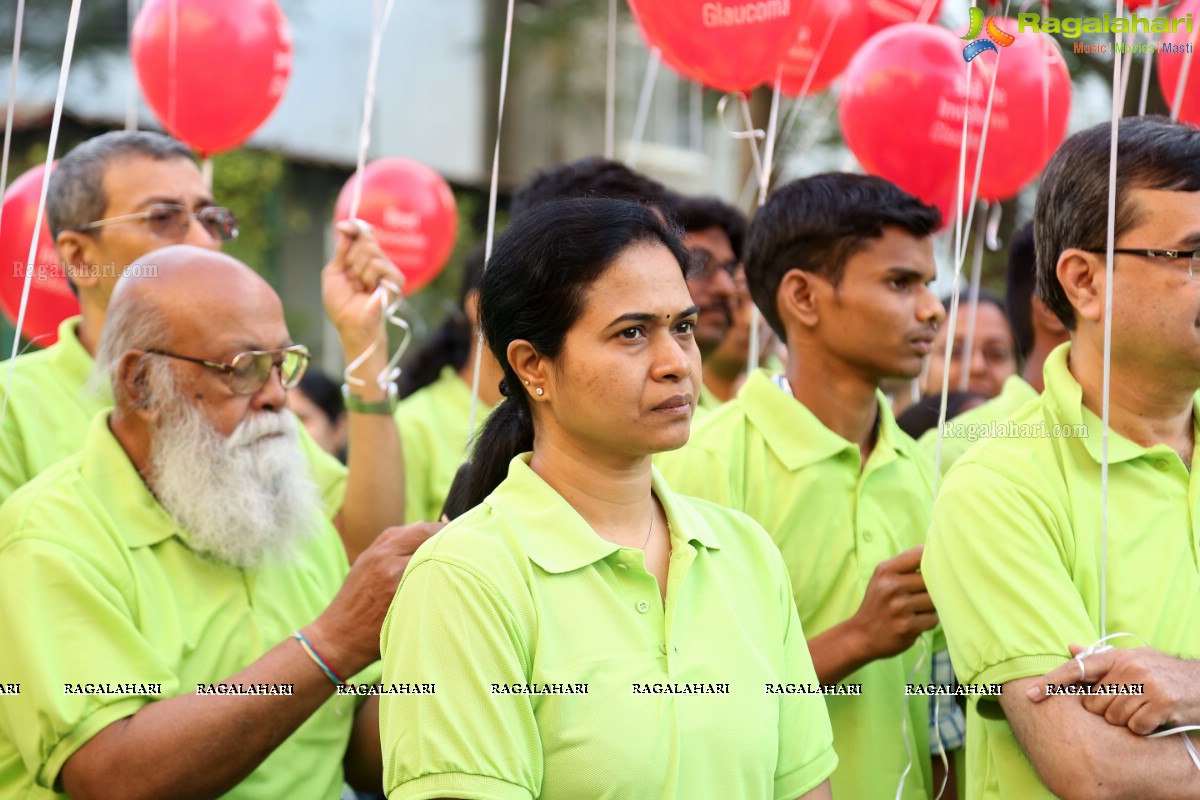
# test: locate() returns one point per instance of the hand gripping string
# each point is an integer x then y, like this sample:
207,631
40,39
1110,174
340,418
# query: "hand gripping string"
1100,646
387,294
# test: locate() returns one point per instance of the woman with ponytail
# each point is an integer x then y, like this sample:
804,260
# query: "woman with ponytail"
434,416
582,631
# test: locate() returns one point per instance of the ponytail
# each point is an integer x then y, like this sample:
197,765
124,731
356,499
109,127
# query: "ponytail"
507,433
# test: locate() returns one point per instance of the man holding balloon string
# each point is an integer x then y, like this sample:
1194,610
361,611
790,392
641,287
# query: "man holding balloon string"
1052,567
113,199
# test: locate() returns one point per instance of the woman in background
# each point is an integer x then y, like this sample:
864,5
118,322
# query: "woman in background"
588,632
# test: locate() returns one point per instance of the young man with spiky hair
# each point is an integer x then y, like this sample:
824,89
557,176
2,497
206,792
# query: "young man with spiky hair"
840,264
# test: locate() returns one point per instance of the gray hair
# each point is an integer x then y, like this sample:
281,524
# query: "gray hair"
76,195
1072,201
134,322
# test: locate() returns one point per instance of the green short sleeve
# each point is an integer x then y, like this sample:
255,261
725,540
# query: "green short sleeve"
463,741
806,753
66,624
996,566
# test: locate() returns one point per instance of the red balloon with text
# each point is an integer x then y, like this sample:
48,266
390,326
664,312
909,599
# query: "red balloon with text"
50,297
832,31
727,45
901,109
1031,103
1170,59
413,212
212,70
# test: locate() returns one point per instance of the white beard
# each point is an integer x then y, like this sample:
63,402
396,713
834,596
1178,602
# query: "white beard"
243,500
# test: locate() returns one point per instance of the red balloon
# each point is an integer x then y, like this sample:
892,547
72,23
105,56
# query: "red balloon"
840,27
413,212
212,70
1170,66
886,13
1029,112
727,45
50,297
901,109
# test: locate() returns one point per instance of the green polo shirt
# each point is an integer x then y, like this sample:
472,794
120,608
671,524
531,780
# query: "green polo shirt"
1017,524
433,425
970,426
664,702
51,406
706,401
765,454
98,586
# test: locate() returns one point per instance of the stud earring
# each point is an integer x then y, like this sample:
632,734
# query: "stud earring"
540,391
526,383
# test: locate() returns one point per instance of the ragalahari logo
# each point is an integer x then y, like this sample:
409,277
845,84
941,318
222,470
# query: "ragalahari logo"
995,36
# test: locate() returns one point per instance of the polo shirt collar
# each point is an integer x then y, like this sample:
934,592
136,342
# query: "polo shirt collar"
71,361
555,536
1066,397
117,485
1018,389
799,439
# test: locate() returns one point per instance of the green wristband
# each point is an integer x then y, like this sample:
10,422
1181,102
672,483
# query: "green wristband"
357,405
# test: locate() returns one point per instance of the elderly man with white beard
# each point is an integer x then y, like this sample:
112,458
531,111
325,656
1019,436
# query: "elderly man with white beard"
177,614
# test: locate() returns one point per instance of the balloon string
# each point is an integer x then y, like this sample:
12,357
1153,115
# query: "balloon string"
964,378
386,294
206,171
610,83
172,61
1118,102
12,103
1147,66
1184,72
643,109
927,11
64,71
764,185
364,131
491,223
131,89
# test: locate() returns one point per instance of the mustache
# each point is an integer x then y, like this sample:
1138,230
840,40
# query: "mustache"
264,423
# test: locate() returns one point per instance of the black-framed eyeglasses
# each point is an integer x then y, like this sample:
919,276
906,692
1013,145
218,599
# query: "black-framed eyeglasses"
248,372
705,264
171,221
1193,256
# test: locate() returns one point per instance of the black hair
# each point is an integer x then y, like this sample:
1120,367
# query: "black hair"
1020,285
816,224
923,414
591,177
534,289
76,193
1072,201
702,213
449,345
985,297
324,394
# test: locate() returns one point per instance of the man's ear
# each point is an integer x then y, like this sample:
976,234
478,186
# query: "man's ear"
798,298
1082,276
133,382
77,251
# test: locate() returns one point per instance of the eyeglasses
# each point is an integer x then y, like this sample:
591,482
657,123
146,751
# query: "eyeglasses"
705,264
171,221
249,371
1193,256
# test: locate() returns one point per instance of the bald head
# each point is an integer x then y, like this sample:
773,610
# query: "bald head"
196,302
